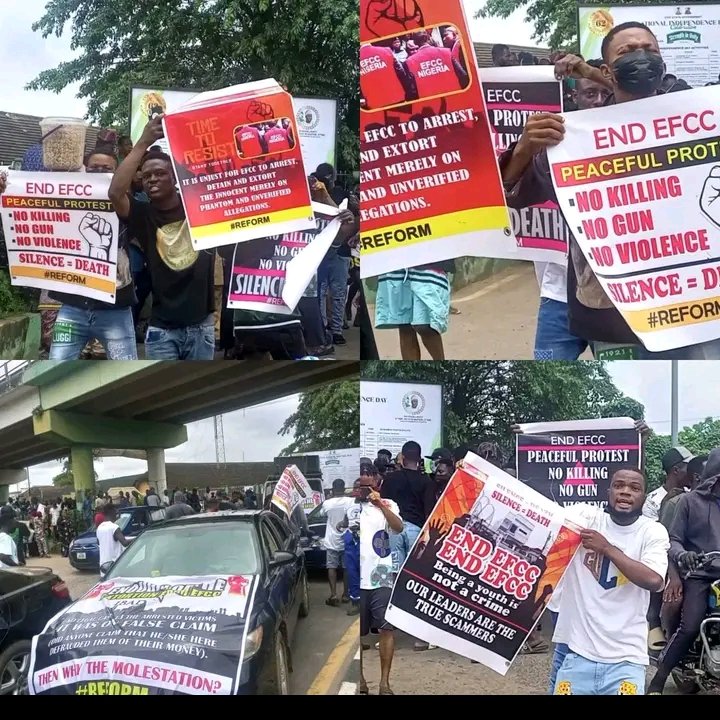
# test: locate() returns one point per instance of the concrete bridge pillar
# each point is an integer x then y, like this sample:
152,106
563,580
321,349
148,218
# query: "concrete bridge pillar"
4,494
81,458
156,470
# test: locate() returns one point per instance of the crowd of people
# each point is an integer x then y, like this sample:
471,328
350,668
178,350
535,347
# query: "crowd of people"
637,590
189,318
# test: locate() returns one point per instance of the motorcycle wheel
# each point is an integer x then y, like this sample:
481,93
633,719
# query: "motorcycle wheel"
686,685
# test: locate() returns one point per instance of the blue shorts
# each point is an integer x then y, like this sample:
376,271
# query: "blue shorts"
580,676
413,297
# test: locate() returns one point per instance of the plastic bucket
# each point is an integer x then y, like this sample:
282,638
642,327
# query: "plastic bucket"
63,143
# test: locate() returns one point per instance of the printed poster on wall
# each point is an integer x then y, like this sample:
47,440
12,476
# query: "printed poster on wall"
431,189
151,636
334,464
573,461
293,489
484,566
261,267
393,413
61,233
639,195
512,95
316,120
688,35
238,164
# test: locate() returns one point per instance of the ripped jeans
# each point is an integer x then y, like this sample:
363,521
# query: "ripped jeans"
75,327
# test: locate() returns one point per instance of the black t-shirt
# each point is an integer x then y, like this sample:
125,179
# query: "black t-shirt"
183,279
409,489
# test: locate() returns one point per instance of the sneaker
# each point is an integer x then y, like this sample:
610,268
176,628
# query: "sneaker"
354,609
338,339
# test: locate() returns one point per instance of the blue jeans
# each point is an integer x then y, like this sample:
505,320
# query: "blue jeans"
75,327
580,676
561,650
352,565
333,276
553,339
401,544
196,342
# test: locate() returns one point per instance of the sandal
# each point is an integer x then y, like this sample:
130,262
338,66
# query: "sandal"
385,691
656,640
345,600
363,689
537,649
332,602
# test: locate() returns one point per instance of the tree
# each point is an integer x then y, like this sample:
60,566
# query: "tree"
555,21
483,400
326,419
65,478
310,47
699,439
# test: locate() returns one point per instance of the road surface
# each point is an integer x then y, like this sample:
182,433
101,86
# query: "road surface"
439,672
497,320
324,644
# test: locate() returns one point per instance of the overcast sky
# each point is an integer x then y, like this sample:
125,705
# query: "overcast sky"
250,436
24,54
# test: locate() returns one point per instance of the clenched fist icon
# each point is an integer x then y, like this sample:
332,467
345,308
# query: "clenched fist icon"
393,17
98,234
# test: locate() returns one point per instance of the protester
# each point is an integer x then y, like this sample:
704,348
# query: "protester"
18,531
501,56
605,593
674,464
180,507
8,549
379,521
99,518
336,508
350,528
443,467
39,530
152,499
111,540
182,323
695,530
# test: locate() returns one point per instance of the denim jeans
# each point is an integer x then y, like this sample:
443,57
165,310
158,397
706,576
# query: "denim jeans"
401,544
75,327
553,339
196,342
580,676
333,277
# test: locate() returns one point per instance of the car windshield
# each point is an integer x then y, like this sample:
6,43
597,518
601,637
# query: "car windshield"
212,548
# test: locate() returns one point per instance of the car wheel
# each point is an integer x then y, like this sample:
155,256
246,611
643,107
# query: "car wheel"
686,685
282,667
304,609
14,668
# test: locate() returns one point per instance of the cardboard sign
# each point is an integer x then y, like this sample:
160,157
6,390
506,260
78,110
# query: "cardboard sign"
292,489
61,233
638,184
239,165
431,189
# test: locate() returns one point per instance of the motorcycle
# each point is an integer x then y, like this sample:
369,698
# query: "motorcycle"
700,669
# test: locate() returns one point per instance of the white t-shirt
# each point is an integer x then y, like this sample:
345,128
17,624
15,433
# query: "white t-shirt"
552,279
110,548
651,508
336,507
41,509
7,547
376,564
601,613
54,516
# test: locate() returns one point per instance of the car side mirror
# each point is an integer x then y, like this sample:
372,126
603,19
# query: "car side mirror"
281,558
105,568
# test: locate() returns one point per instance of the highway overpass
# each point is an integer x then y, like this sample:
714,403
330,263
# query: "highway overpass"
75,407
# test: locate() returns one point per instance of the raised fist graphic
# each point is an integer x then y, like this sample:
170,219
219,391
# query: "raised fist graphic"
98,234
393,17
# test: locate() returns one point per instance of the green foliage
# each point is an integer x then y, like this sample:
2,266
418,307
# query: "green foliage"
326,419
700,439
555,21
65,478
310,47
12,299
483,400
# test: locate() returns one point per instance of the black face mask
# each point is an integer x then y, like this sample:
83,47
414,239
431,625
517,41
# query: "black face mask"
639,73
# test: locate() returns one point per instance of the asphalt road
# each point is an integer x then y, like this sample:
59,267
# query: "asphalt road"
324,642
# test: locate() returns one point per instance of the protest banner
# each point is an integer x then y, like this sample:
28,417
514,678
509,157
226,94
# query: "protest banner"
484,566
149,636
512,95
262,267
316,120
334,464
61,233
292,489
431,189
573,461
688,35
639,197
391,413
238,164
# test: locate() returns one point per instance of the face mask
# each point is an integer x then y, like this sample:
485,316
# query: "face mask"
639,73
